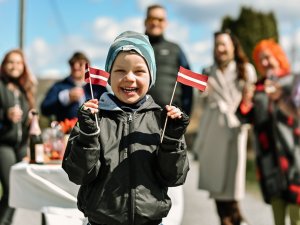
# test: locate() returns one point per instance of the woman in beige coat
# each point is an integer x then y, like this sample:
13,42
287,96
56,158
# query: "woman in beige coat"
222,138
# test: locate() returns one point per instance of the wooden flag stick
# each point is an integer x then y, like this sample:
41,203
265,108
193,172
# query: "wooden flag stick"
164,129
92,94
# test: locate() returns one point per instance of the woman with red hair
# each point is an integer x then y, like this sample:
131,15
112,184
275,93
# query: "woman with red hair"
17,87
268,55
276,133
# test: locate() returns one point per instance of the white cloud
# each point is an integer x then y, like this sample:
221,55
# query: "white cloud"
106,29
39,55
143,4
177,32
199,54
44,58
291,45
296,65
202,15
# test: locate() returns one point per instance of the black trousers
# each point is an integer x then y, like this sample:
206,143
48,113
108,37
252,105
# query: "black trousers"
7,159
229,212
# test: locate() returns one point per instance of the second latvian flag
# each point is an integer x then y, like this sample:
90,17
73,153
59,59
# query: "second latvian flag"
191,78
96,76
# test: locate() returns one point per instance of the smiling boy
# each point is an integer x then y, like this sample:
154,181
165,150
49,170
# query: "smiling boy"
123,168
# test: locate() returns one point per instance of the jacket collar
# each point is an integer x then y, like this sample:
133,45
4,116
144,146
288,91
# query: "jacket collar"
155,39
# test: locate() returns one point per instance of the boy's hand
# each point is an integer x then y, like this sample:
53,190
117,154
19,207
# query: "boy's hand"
86,116
177,123
92,105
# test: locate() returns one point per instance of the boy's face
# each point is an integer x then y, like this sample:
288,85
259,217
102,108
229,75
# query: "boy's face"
130,77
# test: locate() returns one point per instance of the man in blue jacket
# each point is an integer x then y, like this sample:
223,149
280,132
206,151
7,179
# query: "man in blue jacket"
65,96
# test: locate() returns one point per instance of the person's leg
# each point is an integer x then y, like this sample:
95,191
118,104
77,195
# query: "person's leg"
229,212
279,210
294,213
223,210
7,159
236,215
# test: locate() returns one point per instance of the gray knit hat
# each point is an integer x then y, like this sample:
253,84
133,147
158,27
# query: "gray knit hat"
130,40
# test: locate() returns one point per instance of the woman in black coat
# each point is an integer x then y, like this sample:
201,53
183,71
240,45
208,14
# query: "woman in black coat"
17,87
276,132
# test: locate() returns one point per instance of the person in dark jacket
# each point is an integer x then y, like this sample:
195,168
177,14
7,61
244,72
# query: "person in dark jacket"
65,96
290,104
123,167
17,87
169,57
276,133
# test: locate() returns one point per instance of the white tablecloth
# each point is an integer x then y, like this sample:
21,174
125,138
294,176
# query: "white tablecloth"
45,188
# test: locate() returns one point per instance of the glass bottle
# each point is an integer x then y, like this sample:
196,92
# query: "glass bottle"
36,145
19,124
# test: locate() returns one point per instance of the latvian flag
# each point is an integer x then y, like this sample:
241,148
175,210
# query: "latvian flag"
191,78
96,76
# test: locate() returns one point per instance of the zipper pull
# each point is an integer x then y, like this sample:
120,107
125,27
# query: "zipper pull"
129,117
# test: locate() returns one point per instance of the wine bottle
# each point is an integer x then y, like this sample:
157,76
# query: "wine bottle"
36,144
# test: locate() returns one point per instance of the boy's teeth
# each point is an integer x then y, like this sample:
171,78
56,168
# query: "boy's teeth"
129,89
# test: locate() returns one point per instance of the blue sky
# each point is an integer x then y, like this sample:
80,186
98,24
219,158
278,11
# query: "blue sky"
54,29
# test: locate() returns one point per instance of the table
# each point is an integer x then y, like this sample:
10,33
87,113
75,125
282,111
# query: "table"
45,188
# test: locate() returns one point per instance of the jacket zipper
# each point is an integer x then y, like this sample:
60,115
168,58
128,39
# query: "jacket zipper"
131,182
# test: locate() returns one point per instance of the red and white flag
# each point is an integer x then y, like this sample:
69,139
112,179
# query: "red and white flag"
191,78
96,76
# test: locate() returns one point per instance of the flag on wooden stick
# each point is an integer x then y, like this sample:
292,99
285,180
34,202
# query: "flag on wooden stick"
191,78
96,76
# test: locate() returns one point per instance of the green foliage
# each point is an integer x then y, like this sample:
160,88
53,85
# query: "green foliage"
250,27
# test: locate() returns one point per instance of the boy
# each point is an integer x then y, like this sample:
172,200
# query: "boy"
123,169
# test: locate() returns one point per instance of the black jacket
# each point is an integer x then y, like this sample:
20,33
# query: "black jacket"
8,130
124,171
276,143
169,57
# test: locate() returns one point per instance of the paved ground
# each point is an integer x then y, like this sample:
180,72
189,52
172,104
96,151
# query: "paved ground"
199,209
